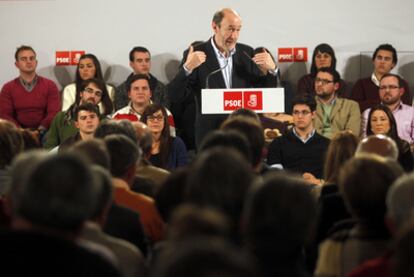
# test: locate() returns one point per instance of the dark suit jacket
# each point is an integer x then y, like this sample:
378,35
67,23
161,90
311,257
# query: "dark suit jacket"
245,74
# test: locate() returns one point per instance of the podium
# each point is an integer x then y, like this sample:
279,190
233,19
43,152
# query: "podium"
225,101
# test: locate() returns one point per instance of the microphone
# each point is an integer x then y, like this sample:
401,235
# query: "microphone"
216,71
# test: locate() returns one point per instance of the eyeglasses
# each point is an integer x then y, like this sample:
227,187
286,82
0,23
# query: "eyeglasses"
304,113
96,92
390,87
381,58
155,118
323,81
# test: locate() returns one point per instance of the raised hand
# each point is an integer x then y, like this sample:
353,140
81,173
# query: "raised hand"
194,59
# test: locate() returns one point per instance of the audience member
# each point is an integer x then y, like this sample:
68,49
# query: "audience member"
205,257
364,182
323,56
145,169
167,152
120,222
390,92
11,144
29,101
280,219
253,131
124,155
130,259
139,93
88,67
140,63
86,119
230,139
365,91
63,125
400,207
49,205
302,149
334,114
219,179
381,121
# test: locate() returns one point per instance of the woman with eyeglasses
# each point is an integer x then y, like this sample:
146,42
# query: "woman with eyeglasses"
323,56
381,121
167,152
88,67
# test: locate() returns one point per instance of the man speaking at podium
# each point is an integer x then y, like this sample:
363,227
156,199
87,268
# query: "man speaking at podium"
221,62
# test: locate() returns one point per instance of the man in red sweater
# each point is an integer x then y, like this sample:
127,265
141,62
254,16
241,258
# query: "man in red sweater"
30,101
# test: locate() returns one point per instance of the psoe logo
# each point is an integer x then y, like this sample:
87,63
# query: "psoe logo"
253,100
232,100
75,56
68,57
285,55
62,57
300,54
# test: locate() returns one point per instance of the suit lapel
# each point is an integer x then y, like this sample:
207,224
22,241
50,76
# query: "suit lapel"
335,109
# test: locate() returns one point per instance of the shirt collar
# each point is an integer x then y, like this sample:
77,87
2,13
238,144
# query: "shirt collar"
375,80
311,134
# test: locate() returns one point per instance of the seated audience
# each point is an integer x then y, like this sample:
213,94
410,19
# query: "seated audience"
331,205
11,144
279,222
365,91
364,182
167,152
381,121
120,222
302,149
29,101
139,94
130,259
49,205
400,207
323,56
205,257
86,119
220,179
253,131
124,155
63,125
88,68
140,63
334,114
390,92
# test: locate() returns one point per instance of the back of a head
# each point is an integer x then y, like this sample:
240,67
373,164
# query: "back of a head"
189,221
365,181
93,150
59,194
111,127
400,200
253,132
245,113
341,148
381,145
280,215
204,258
144,137
11,142
229,139
123,152
220,178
